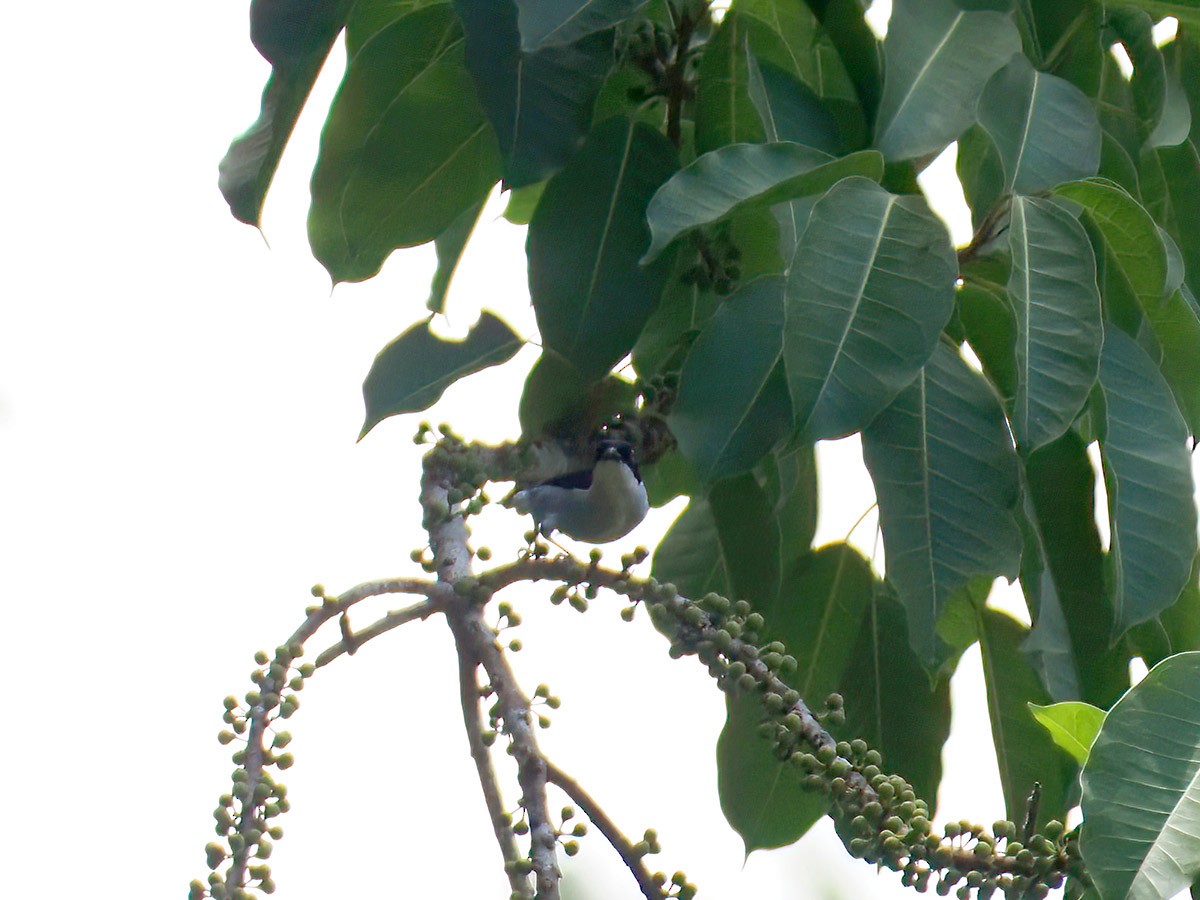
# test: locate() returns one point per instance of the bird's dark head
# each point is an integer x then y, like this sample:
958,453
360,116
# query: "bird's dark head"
617,451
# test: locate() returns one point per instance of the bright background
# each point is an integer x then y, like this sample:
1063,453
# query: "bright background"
179,403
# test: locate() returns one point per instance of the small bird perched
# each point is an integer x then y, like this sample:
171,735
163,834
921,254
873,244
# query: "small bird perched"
595,505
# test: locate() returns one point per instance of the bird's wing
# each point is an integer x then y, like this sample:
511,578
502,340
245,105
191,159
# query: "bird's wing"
579,481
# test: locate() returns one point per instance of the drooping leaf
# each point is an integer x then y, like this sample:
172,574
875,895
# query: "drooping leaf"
818,616
539,103
1057,304
552,23
939,58
858,47
589,293
870,288
789,110
405,149
295,38
1044,127
980,172
733,408
683,310
689,555
522,202
751,543
788,37
411,372
450,245
1065,566
1174,198
1141,788
1072,725
724,111
790,479
1134,28
986,314
740,177
1176,324
1149,479
1025,753
945,473
889,700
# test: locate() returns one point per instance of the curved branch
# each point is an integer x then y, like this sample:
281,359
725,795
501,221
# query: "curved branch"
651,889
393,619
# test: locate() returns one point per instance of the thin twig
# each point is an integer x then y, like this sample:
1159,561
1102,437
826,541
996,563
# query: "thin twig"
469,698
633,860
393,619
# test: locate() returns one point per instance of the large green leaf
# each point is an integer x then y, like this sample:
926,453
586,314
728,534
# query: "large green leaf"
890,702
689,555
1149,478
939,57
1176,324
411,372
1064,568
870,288
1134,28
539,103
450,245
787,35
1025,753
558,401
751,543
733,407
589,230
858,47
1072,725
1044,127
369,17
790,480
1141,788
724,111
1059,333
1174,198
739,177
296,43
818,617
405,149
549,23
945,473
789,110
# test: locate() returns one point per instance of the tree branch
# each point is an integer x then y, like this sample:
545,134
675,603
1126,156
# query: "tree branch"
393,619
651,889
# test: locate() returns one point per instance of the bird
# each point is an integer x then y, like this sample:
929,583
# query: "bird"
595,505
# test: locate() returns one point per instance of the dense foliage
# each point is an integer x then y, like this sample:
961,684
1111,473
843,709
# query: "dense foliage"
731,200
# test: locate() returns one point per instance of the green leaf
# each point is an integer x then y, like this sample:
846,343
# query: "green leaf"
689,555
870,288
1149,82
405,149
945,473
1176,204
986,314
450,245
724,112
558,401
1024,752
682,312
589,293
1141,788
739,177
1176,324
980,172
1059,332
552,23
411,372
790,480
296,42
733,408
1044,127
539,103
939,57
751,543
369,17
787,36
1065,567
789,110
818,617
889,700
1150,489
522,202
1072,725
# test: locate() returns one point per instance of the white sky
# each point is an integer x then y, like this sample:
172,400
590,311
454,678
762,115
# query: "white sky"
178,412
